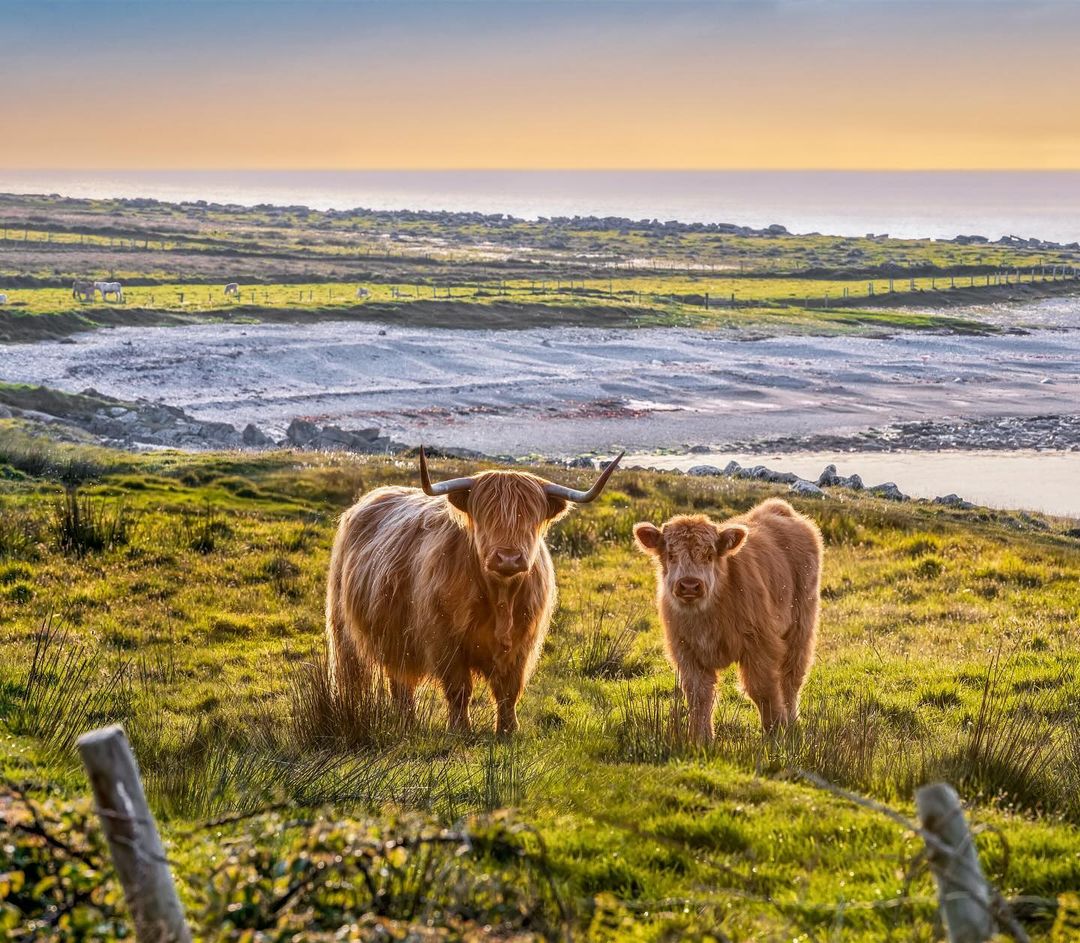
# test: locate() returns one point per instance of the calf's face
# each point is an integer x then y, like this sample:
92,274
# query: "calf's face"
690,552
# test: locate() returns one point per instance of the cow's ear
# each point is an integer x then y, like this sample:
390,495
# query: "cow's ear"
460,500
648,537
556,506
731,538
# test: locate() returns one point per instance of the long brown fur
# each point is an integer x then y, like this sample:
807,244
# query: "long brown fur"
409,590
760,575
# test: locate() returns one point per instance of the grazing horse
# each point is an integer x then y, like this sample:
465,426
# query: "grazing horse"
232,289
83,291
110,288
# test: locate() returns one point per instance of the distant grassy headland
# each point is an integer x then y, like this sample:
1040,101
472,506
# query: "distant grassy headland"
470,270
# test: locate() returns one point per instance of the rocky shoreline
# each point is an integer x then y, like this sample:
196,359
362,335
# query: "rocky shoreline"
1046,433
144,425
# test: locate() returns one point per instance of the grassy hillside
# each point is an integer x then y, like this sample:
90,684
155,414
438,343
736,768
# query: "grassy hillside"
182,596
469,270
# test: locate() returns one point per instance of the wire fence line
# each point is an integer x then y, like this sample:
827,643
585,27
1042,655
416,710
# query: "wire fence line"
971,908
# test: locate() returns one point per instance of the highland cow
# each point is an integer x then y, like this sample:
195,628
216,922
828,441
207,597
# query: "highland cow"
744,591
447,583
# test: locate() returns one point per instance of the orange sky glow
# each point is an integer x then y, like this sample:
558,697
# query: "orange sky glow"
519,84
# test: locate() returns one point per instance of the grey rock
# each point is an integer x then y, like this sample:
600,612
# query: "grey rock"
828,476
582,461
301,432
698,449
953,501
254,436
888,491
805,489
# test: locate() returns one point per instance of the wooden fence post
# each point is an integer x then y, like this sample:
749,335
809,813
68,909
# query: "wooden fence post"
134,843
963,893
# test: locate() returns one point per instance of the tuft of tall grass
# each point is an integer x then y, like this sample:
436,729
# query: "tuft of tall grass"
20,533
68,690
81,525
604,650
201,530
358,714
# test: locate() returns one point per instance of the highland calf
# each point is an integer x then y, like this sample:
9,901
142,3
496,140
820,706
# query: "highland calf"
447,583
745,591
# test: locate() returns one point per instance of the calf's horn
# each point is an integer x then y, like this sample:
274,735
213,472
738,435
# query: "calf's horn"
443,487
584,497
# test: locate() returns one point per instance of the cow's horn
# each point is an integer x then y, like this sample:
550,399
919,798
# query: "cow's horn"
443,487
584,497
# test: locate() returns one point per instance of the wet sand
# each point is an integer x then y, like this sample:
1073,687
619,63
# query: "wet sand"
562,391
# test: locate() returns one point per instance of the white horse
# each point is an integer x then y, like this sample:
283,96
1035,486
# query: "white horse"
363,293
83,291
232,289
110,288
3,299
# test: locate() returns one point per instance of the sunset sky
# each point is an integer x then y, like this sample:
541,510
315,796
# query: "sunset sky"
548,84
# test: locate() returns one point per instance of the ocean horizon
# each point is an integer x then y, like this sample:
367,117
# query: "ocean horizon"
904,204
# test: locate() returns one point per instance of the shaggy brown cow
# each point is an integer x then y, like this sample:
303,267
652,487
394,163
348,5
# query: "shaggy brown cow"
744,591
448,583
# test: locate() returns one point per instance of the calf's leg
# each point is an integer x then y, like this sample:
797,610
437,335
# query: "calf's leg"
507,684
699,688
761,681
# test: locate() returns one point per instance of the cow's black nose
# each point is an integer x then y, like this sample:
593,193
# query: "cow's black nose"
689,588
507,562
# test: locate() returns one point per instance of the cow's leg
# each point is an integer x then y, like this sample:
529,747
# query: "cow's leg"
699,688
458,687
761,681
507,685
403,694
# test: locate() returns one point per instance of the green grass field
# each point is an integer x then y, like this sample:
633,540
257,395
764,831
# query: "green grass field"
182,596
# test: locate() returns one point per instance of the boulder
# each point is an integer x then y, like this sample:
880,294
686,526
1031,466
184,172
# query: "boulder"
254,437
888,491
953,501
582,461
805,489
829,478
301,432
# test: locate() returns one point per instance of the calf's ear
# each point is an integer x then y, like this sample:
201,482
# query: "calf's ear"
731,538
648,537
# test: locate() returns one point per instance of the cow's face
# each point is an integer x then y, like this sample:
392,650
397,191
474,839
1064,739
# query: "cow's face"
690,552
508,514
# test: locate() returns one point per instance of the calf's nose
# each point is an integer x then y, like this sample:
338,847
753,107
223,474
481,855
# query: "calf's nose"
689,588
507,562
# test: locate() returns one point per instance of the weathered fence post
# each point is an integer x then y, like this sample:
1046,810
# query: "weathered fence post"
134,843
963,893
